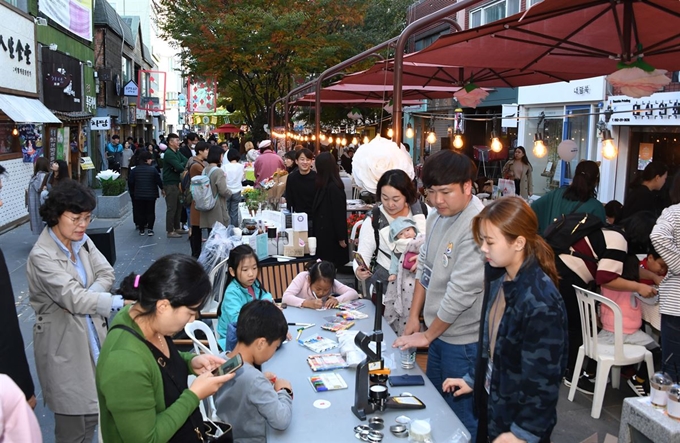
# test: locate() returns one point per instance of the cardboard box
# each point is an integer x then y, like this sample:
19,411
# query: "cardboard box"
299,222
293,251
301,239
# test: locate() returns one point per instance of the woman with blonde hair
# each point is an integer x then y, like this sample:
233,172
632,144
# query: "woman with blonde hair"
522,350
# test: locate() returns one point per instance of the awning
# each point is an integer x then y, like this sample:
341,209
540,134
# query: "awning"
72,117
26,110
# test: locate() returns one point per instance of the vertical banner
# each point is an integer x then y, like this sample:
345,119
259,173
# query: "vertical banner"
152,91
62,145
202,96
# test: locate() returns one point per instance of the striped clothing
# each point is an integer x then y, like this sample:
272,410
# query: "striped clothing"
666,240
607,247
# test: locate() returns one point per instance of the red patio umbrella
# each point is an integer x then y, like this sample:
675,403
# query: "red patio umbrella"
227,128
584,37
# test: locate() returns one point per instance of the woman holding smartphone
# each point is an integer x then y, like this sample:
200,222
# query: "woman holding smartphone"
141,376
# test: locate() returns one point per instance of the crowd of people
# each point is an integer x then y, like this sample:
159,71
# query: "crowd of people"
482,286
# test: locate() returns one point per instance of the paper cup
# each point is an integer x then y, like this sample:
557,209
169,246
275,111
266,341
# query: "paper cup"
311,242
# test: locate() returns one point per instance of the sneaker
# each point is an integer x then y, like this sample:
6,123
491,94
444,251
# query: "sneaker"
141,232
584,385
174,235
185,227
638,386
149,232
181,231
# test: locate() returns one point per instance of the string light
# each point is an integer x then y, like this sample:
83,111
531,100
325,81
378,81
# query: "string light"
609,149
15,132
355,141
365,139
390,132
496,145
409,131
431,137
330,140
322,137
458,140
540,150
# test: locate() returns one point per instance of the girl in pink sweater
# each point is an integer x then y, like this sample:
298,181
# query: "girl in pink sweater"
317,287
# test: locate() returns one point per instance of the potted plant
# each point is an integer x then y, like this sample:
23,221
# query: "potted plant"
254,198
115,200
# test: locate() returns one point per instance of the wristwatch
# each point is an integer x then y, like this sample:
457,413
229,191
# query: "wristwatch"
288,390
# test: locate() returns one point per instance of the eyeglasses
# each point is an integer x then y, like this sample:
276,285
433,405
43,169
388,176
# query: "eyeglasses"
80,220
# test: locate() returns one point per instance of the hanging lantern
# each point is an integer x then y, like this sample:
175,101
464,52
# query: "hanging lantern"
638,79
470,96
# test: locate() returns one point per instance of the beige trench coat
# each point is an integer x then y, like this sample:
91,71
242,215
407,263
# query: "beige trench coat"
526,186
218,185
60,334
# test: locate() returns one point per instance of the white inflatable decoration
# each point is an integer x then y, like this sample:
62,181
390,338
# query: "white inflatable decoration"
567,150
373,159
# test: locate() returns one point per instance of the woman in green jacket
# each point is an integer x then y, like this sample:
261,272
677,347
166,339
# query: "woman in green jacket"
141,376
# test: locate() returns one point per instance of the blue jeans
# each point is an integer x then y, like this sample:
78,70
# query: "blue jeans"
454,361
232,208
670,344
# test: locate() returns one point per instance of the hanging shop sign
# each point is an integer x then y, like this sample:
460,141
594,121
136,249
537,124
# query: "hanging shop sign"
202,95
658,109
100,123
131,89
62,81
17,52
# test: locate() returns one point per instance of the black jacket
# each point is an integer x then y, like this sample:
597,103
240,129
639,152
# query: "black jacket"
144,182
12,353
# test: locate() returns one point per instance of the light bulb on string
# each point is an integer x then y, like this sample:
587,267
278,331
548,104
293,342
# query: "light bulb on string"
322,137
343,142
458,141
432,137
15,131
609,149
355,141
313,137
540,150
496,145
330,140
409,131
366,139
390,133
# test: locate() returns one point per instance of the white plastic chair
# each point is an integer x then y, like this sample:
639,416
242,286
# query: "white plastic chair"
208,410
199,347
608,357
218,281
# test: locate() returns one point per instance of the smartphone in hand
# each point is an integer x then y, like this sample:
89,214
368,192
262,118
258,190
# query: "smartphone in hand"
230,365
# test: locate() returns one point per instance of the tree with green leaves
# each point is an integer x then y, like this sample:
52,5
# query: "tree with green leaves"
258,50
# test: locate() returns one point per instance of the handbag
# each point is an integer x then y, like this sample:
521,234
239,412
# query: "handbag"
213,431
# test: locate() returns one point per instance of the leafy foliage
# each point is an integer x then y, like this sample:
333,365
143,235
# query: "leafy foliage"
258,50
113,187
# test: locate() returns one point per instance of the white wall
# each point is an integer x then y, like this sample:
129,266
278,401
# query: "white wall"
14,183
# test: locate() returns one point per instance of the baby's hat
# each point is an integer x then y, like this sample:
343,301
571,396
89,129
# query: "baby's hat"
399,224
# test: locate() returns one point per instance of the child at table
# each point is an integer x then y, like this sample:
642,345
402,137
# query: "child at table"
311,287
242,286
250,400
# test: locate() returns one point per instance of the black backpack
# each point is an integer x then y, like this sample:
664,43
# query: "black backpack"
568,229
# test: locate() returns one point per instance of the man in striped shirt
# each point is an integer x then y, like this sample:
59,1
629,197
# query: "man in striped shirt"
666,240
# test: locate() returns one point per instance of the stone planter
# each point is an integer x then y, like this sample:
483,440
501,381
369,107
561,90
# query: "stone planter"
116,206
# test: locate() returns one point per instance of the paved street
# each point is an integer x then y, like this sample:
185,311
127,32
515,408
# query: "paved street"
135,253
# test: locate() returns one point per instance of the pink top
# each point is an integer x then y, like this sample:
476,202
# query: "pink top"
17,420
631,314
299,291
266,165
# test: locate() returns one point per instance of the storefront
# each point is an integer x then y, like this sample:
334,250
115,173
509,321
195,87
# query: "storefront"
557,112
645,129
23,118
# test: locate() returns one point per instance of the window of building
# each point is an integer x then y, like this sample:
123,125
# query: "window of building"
427,41
493,11
533,2
126,69
12,2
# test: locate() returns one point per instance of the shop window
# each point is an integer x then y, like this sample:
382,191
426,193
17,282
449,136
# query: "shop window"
493,11
427,41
